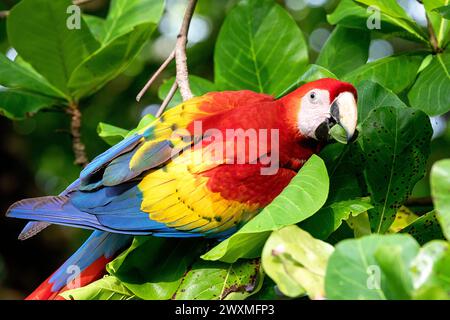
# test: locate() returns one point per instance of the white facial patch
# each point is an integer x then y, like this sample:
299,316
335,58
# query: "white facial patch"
314,109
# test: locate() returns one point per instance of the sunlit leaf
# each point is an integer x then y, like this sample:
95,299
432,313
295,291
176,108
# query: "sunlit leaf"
440,189
305,195
107,288
296,262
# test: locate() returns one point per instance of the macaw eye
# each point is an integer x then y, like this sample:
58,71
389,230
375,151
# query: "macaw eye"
313,97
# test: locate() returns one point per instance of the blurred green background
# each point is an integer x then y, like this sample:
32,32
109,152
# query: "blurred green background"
36,153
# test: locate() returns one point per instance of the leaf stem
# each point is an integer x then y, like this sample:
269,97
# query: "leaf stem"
78,146
4,14
433,40
179,54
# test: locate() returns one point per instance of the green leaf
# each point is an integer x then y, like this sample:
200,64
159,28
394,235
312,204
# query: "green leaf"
305,195
259,48
396,144
199,87
145,121
430,91
444,11
345,164
353,15
111,134
372,95
296,262
15,76
395,73
345,50
220,281
329,218
424,228
312,73
440,190
45,41
390,7
430,272
128,26
153,268
107,288
17,104
358,270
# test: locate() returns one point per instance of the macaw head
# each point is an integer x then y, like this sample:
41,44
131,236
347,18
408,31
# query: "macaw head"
319,105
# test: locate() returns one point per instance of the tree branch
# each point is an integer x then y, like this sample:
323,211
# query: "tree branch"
179,53
80,2
4,14
167,99
419,202
78,146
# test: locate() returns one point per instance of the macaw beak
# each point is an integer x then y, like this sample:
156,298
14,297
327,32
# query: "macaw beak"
344,112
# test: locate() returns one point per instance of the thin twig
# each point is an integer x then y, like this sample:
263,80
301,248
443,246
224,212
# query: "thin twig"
155,75
4,14
179,53
78,146
167,99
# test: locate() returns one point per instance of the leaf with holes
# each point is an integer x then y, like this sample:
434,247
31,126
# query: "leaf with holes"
424,228
220,281
259,48
396,145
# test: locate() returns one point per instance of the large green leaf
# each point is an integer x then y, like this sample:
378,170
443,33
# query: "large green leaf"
260,48
372,95
440,189
296,262
430,91
329,218
395,73
431,273
107,288
17,104
345,164
312,73
45,41
345,50
367,268
305,195
396,144
217,280
126,29
199,87
350,14
153,268
15,76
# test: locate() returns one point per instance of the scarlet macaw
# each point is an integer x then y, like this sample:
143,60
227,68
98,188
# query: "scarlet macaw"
148,183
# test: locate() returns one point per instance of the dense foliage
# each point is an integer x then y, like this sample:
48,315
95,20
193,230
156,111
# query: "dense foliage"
342,229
